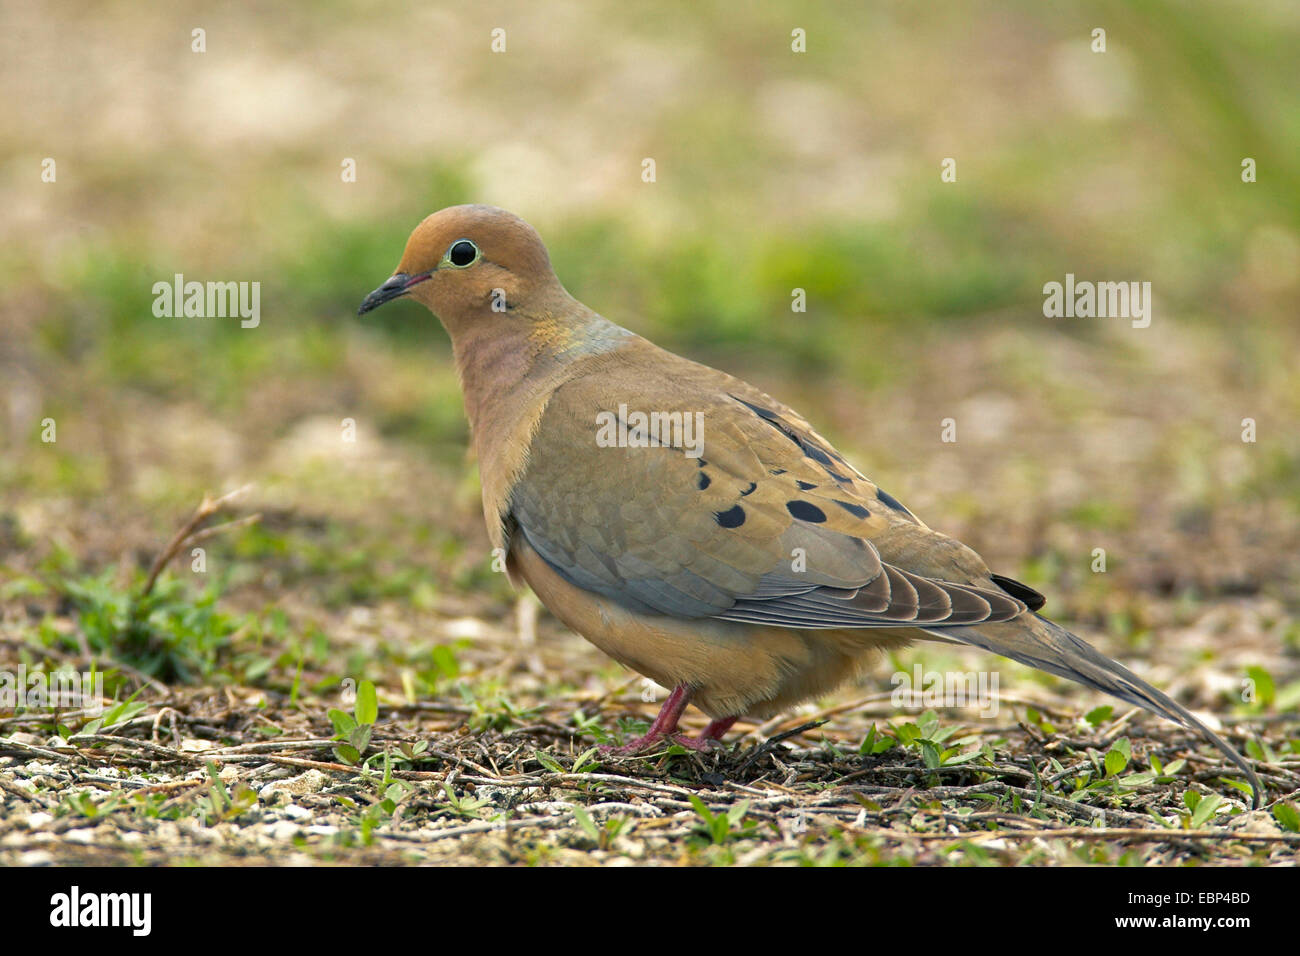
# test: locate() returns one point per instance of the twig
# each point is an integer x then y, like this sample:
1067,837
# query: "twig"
1103,833
189,532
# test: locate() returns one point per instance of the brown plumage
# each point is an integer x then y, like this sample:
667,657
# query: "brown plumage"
746,564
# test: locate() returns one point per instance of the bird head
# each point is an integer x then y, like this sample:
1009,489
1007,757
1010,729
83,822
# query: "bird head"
470,263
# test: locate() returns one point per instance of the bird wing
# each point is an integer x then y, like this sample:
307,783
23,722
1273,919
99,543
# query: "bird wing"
728,505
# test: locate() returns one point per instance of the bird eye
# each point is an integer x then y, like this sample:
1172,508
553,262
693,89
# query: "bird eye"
462,253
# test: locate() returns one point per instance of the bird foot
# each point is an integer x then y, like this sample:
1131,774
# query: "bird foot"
665,727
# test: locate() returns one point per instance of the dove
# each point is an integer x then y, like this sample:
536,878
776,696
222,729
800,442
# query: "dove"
688,524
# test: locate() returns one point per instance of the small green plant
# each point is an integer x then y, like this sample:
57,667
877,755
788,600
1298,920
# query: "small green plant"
1099,715
588,724
1035,717
411,752
218,804
1200,809
1118,757
584,762
167,633
1287,817
927,737
83,804
390,794
875,743
719,827
354,730
602,836
117,715
465,806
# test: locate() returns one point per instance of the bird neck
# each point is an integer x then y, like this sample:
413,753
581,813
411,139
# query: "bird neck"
509,366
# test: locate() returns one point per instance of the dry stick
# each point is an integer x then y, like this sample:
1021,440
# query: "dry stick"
36,798
1100,833
206,509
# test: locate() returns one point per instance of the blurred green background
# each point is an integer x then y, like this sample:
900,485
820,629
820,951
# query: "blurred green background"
775,170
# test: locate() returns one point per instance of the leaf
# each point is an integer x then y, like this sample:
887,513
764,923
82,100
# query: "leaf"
343,723
1265,691
1285,814
1238,785
737,813
360,736
367,705
1204,810
1159,819
347,753
547,761
1288,698
907,733
868,741
445,660
587,824
701,808
930,755
1141,779
585,761
1118,757
1099,715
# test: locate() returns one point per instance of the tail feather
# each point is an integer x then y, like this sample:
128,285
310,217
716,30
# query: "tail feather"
1036,641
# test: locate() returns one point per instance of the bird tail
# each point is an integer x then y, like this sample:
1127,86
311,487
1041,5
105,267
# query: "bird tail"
1036,641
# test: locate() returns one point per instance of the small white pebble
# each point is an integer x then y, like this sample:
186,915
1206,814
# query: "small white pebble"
282,830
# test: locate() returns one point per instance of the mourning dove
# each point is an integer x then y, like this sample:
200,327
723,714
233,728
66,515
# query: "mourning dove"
691,526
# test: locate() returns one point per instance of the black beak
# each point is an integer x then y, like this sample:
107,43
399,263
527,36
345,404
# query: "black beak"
395,287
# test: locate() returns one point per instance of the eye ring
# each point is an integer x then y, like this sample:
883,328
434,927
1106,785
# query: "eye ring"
462,253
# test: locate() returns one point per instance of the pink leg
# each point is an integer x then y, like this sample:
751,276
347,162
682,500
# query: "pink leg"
665,725
716,729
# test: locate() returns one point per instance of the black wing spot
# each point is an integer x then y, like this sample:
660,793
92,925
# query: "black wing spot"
808,448
763,413
1022,592
893,502
733,517
704,481
805,511
840,478
815,453
854,509
777,471
806,485
750,490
